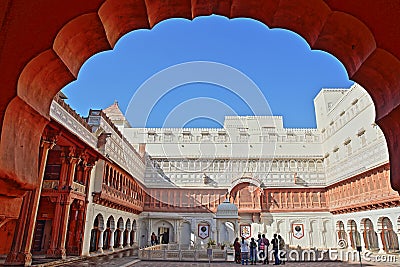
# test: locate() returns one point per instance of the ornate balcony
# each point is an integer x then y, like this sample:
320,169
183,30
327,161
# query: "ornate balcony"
112,197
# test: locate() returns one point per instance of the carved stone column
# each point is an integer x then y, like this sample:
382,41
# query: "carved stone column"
59,228
121,238
128,238
52,251
75,230
380,243
362,241
66,204
100,245
111,248
20,253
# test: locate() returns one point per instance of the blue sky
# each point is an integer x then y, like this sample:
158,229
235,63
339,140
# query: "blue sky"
278,62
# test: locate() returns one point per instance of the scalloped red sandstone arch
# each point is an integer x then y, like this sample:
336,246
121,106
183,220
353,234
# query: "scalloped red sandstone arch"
64,35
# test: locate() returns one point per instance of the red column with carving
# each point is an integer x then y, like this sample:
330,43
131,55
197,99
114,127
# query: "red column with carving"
20,253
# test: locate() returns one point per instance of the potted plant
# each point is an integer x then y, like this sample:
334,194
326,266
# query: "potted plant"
210,243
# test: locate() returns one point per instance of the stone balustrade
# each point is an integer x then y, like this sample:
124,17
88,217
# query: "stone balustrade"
77,187
176,252
50,184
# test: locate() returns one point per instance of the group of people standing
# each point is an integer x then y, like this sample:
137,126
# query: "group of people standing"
258,250
164,238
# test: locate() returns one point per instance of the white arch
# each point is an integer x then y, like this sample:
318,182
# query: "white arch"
120,224
100,219
112,222
128,225
254,181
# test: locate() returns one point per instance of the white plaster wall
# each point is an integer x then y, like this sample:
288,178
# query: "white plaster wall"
349,123
318,230
150,221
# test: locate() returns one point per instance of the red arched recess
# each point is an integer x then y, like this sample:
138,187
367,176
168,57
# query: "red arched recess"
44,43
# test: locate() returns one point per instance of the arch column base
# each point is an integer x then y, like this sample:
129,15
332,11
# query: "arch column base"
56,254
19,259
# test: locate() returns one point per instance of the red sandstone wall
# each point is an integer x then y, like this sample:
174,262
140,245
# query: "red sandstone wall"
6,236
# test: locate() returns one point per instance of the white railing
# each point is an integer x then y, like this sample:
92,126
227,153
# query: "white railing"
50,184
78,188
177,252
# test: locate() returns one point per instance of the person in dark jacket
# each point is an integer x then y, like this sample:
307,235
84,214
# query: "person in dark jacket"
275,247
281,246
253,251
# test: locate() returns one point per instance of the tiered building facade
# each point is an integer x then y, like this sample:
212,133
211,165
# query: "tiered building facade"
107,186
312,186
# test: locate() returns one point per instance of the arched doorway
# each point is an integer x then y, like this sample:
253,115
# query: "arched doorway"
341,234
388,236
246,195
165,232
127,233
133,233
118,235
108,236
355,237
98,227
369,235
227,232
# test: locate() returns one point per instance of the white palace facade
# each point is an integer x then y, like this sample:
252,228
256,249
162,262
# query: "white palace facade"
109,186
311,186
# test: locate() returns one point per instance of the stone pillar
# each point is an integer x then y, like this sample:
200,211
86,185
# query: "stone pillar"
80,232
128,239
322,236
307,228
100,245
380,243
111,240
349,238
52,251
20,253
121,238
362,241
72,233
59,228
217,228
76,229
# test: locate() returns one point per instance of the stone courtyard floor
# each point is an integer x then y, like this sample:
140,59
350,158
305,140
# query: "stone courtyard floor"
127,258
230,264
